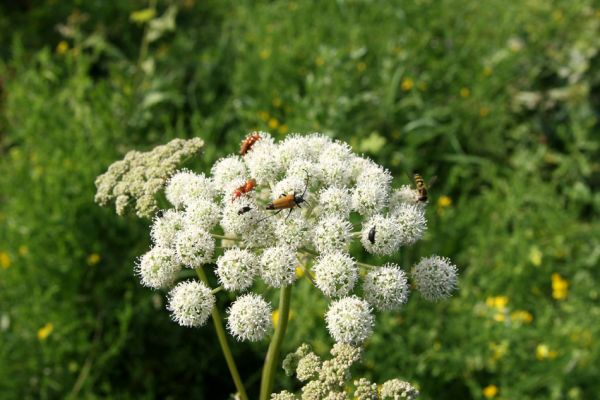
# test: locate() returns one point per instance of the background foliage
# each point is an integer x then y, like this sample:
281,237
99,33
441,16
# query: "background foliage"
497,99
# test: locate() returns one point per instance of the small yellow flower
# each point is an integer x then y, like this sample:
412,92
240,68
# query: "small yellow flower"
62,47
407,84
490,391
361,66
283,129
23,250
273,123
535,256
299,272
264,54
499,317
319,61
444,202
275,317
465,92
4,259
522,316
560,287
498,302
498,350
93,259
45,331
543,352
484,111
487,71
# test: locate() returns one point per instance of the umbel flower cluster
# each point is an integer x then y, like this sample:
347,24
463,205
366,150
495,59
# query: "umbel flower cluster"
276,212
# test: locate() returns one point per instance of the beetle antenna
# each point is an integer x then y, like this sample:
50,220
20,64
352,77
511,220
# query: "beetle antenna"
306,185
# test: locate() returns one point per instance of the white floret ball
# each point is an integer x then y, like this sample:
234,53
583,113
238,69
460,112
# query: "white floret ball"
435,278
195,247
190,303
278,266
166,226
350,320
236,269
335,274
202,213
332,233
335,201
411,221
386,288
249,318
158,268
186,186
381,235
228,169
293,230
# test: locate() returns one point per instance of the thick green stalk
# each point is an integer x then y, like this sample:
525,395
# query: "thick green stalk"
216,317
272,359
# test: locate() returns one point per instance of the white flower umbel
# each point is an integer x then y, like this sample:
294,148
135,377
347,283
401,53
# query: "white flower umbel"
411,222
349,320
186,186
228,169
386,288
278,266
336,274
194,246
435,278
263,160
204,214
381,235
165,228
158,268
190,303
332,233
249,318
335,201
236,269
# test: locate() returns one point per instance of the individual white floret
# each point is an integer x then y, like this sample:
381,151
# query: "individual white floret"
335,201
435,278
249,318
263,160
404,194
335,274
204,214
165,227
293,230
186,186
349,320
190,303
332,233
381,235
411,222
194,246
386,288
291,185
228,169
236,269
278,266
395,389
158,268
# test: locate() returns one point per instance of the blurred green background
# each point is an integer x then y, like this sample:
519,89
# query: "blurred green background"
498,99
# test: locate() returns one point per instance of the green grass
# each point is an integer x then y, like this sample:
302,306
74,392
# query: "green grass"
499,100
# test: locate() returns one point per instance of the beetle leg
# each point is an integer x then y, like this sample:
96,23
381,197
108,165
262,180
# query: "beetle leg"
290,213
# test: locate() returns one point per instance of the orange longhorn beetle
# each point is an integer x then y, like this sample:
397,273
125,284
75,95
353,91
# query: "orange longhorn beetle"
245,188
288,201
248,142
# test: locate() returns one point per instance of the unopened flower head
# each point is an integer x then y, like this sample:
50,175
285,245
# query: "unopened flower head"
365,390
166,227
332,233
349,320
283,395
278,266
202,213
386,288
194,246
249,318
190,303
411,222
335,201
186,186
396,389
435,278
228,169
236,269
381,235
308,367
158,268
336,274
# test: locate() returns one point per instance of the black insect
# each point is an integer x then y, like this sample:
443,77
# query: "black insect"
372,235
244,210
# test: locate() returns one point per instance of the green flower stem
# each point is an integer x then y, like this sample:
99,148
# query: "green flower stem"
365,265
216,317
225,237
272,359
217,289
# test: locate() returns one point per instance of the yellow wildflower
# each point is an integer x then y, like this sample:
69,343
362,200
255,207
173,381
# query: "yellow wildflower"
490,391
542,352
283,129
444,201
521,316
407,84
4,259
93,259
23,250
465,92
498,350
498,302
273,123
275,317
560,287
499,317
299,272
264,54
62,47
45,331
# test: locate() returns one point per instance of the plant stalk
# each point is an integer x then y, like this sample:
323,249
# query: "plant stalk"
272,359
216,317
